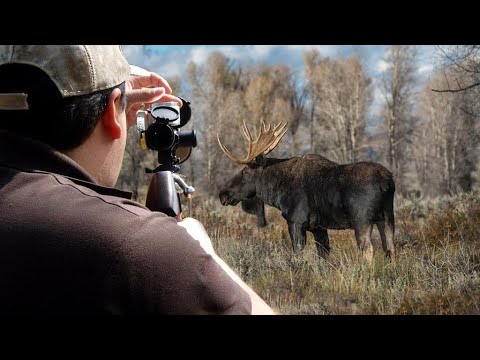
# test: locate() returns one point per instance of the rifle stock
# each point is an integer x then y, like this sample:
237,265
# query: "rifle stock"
162,195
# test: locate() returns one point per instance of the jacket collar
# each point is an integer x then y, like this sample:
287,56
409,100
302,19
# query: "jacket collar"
29,155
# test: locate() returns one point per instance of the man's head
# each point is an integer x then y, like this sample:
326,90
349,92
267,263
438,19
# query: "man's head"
71,97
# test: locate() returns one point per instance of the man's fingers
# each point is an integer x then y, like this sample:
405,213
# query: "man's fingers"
145,95
150,95
166,98
154,80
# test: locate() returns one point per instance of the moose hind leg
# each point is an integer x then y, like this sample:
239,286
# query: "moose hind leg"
322,242
387,243
390,233
298,236
363,235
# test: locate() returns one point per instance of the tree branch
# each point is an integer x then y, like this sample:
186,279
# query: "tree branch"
457,90
456,62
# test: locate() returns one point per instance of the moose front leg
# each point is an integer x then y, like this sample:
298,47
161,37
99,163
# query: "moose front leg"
322,242
298,236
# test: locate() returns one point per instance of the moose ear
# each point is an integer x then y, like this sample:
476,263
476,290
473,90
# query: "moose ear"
259,161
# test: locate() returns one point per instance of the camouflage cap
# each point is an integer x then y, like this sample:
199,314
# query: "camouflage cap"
75,69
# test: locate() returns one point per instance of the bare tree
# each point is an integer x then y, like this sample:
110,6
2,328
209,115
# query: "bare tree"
212,85
297,95
342,94
273,95
398,83
446,140
461,65
459,71
436,140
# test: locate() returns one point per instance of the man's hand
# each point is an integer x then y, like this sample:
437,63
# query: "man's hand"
146,89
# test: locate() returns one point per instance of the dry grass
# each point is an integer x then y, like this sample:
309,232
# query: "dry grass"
436,271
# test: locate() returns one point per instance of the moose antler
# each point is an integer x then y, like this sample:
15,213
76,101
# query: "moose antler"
266,141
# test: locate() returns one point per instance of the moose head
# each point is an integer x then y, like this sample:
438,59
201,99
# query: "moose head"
243,186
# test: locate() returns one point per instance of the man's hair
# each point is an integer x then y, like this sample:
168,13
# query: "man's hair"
63,123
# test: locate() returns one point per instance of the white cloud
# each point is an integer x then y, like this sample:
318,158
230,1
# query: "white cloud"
167,66
233,52
236,52
425,69
378,95
261,51
199,54
170,69
299,47
382,65
325,50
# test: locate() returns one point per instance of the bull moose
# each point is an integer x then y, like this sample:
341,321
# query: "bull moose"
313,193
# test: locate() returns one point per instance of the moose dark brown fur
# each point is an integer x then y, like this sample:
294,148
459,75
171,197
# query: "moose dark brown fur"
315,194
255,206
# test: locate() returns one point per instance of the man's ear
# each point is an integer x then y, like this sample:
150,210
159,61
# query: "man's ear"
111,119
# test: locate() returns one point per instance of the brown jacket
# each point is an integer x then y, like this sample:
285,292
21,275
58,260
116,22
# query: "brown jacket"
69,246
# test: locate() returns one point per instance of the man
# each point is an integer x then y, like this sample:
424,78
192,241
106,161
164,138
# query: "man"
70,243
